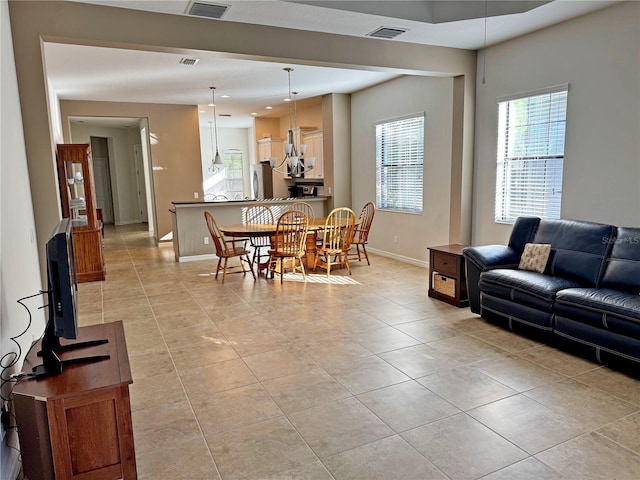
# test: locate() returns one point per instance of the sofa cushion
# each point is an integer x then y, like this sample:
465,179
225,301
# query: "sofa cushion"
514,311
577,248
523,231
535,257
622,270
604,308
530,288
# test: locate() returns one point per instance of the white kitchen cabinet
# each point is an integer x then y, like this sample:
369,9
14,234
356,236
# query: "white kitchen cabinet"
313,140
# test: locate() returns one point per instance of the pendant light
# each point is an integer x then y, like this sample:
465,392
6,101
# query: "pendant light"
216,162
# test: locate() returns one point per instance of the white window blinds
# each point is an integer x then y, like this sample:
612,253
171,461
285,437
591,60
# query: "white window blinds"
399,164
531,133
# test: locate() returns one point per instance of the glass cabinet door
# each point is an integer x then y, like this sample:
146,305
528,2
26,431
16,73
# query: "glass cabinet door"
76,194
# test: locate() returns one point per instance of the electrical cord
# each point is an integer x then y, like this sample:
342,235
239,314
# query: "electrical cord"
10,359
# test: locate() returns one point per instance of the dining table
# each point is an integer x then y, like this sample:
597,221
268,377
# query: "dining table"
248,230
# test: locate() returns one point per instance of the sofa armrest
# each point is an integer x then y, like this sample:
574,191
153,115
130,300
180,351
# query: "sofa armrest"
480,259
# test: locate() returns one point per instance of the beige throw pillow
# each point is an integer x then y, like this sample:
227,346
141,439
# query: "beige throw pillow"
535,257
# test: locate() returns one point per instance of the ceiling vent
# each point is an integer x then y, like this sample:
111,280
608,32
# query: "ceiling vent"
386,32
224,115
209,10
189,61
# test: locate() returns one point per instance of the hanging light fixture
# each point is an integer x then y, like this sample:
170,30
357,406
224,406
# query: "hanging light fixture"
293,163
216,162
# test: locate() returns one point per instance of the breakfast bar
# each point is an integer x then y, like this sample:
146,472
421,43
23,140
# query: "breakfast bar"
190,234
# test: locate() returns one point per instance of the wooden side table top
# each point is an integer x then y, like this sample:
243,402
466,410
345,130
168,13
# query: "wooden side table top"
455,248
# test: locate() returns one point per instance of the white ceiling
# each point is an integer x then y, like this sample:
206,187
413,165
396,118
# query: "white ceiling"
105,74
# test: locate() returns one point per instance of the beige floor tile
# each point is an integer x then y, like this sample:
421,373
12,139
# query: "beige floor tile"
407,405
304,390
366,373
592,456
466,388
259,450
278,363
152,391
555,359
466,349
427,330
160,427
517,373
419,360
527,469
310,471
528,424
384,339
334,351
201,383
186,357
194,336
353,321
149,364
390,457
183,461
616,383
338,426
593,408
258,341
625,431
463,448
506,340
235,408
393,314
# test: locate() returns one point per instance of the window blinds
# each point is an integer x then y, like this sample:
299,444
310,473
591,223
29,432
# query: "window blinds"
531,134
399,164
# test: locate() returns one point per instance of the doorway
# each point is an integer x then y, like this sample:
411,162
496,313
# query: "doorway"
102,178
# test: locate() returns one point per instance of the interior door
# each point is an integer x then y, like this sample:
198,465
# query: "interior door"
142,194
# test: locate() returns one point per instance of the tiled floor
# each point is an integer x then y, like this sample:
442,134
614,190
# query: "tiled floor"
374,380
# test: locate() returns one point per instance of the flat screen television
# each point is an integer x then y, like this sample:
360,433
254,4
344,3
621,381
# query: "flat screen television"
62,293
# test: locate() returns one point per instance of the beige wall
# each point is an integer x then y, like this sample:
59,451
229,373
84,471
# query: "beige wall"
414,232
175,148
34,22
597,55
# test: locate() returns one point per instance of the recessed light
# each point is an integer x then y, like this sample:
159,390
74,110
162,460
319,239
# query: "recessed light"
268,108
225,96
287,99
254,114
210,105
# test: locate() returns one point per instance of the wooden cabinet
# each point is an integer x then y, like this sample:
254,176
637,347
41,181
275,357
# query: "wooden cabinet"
447,275
77,192
269,148
77,425
313,141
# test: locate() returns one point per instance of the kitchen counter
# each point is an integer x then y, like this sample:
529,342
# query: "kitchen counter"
190,229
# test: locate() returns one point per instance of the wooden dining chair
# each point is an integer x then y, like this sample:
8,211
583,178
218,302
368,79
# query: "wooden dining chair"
289,242
337,235
260,214
361,231
226,249
303,207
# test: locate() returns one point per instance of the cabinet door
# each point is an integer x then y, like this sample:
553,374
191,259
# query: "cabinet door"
315,149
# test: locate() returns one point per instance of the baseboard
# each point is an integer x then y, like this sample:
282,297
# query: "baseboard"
128,222
195,258
401,258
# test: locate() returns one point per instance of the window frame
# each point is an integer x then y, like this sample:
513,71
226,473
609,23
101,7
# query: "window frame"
417,187
548,167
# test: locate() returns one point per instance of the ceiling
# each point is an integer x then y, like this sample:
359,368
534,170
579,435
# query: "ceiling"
105,74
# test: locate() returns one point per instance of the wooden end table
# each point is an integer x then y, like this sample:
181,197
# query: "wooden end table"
447,275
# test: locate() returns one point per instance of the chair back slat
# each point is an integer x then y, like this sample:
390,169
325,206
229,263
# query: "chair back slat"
291,233
303,207
366,219
338,229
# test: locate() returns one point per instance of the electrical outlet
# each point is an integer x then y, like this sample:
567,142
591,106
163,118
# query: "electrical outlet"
195,194
329,190
206,240
395,239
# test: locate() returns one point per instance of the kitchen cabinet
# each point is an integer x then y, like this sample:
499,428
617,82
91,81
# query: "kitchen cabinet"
78,196
269,148
313,140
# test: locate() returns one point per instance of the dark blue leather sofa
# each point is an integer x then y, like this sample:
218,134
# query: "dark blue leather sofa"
588,293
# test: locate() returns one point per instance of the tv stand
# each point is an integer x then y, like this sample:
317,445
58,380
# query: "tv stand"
58,416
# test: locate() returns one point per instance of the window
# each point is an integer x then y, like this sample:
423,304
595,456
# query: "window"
233,178
530,157
399,164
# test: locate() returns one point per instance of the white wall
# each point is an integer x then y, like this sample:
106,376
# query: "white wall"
228,138
598,55
19,267
121,164
393,99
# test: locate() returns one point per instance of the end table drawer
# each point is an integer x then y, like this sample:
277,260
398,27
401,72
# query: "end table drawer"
447,264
